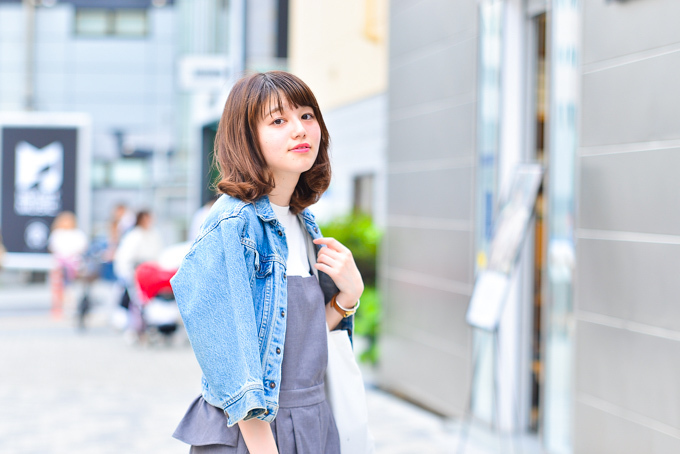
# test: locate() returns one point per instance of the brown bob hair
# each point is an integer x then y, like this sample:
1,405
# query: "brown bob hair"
244,174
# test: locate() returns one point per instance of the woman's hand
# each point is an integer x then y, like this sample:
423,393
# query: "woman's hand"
337,261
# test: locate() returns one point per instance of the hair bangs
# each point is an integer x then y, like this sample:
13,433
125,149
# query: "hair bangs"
279,89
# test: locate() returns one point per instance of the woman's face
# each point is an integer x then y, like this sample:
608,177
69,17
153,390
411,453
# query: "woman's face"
146,221
289,140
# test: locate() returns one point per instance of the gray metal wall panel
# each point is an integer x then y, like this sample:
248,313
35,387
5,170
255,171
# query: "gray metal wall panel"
432,76
431,313
630,280
616,29
601,432
628,322
420,136
431,376
437,253
632,192
635,102
441,194
631,371
418,27
427,261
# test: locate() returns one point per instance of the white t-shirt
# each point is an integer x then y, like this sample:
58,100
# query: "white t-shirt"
69,244
137,246
297,263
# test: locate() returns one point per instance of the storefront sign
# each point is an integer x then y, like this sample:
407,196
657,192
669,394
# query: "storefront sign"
44,169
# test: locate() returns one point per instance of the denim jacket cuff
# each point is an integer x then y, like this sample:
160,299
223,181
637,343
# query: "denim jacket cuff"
250,405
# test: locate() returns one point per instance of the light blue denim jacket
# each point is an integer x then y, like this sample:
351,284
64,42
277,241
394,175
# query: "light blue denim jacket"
231,291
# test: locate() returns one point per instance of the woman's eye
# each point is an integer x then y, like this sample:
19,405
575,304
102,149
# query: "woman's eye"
278,121
307,116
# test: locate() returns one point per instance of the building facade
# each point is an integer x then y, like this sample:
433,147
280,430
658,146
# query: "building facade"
625,311
114,61
589,327
340,50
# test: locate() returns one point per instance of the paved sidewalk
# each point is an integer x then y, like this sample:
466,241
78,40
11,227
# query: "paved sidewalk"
63,391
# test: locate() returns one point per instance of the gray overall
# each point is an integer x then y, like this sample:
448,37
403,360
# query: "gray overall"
304,423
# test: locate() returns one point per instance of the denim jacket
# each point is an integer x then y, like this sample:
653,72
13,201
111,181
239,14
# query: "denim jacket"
231,291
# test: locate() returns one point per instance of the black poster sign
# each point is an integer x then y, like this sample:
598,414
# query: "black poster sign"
39,174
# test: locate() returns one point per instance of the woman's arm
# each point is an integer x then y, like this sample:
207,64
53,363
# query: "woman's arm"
258,436
337,261
214,297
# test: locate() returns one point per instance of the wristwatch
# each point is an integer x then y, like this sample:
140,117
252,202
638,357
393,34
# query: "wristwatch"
341,310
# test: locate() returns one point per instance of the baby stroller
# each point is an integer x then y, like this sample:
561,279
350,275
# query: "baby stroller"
153,309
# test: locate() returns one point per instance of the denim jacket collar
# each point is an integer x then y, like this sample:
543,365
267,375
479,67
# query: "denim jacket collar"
263,209
265,212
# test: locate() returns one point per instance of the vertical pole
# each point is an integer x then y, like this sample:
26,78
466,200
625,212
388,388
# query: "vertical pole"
29,86
237,38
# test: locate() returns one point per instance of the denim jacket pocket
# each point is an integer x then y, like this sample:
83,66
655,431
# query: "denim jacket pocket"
263,267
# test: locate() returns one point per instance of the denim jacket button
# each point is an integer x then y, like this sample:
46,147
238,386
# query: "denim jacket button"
316,230
272,385
266,412
283,313
280,233
278,351
284,275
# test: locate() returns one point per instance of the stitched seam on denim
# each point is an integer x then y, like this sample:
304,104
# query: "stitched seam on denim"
308,215
271,358
211,229
242,393
232,213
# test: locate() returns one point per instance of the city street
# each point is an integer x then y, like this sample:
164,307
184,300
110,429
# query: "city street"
64,391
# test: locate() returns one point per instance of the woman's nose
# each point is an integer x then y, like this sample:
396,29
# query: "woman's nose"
299,129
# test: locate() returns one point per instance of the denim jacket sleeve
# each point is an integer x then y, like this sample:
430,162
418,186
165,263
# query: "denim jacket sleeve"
213,293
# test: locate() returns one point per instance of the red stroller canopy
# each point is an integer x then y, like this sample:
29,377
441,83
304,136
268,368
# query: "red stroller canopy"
152,280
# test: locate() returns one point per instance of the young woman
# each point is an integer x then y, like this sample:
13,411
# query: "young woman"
260,282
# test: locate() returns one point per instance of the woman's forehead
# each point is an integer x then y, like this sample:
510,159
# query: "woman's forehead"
277,104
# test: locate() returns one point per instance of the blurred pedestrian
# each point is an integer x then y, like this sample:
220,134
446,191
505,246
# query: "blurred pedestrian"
122,221
68,244
251,280
141,244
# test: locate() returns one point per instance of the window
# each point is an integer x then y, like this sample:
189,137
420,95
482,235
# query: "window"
363,194
111,22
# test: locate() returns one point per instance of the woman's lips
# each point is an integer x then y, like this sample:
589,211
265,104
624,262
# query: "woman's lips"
302,148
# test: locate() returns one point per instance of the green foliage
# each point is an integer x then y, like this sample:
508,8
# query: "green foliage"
367,323
362,237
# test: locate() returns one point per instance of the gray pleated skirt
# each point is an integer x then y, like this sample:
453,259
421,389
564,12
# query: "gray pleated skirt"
304,423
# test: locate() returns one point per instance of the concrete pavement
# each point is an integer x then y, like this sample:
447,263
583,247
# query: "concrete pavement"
62,391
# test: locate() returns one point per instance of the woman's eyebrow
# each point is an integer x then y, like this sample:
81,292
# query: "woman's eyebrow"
271,113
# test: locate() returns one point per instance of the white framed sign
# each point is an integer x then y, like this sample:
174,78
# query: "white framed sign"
490,290
44,170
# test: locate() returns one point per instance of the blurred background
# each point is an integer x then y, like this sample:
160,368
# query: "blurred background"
108,115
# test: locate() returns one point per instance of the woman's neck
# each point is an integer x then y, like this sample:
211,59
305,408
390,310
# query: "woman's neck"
282,200
283,190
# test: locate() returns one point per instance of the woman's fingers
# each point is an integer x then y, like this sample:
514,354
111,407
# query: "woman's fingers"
332,243
327,260
330,253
